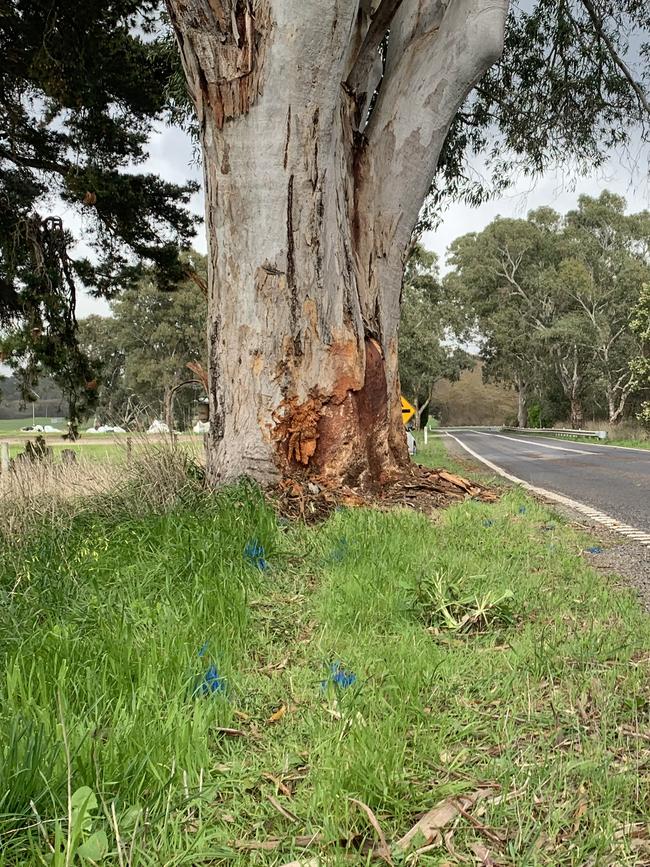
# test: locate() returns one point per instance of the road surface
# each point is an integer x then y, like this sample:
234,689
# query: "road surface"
615,481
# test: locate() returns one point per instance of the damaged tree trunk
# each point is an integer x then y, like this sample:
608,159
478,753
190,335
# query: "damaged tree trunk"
311,200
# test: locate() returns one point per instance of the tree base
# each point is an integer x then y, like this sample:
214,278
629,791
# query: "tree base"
419,488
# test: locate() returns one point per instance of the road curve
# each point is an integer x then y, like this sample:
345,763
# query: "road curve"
615,481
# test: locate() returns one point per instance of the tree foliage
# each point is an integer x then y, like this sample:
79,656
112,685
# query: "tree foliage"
142,351
81,87
425,356
555,296
640,364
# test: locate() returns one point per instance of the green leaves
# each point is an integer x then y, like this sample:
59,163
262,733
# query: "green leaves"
553,298
83,803
95,848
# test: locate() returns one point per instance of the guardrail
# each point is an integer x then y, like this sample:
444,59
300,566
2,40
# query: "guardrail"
559,431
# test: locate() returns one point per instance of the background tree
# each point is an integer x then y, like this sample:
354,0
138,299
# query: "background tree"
424,356
557,293
142,351
609,250
502,278
81,86
640,364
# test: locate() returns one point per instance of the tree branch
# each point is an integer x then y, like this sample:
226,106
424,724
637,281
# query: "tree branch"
196,278
435,56
365,59
43,165
616,57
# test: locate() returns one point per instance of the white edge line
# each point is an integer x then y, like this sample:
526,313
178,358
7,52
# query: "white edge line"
566,439
626,530
533,443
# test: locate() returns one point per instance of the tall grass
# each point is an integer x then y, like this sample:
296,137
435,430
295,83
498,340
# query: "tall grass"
140,478
111,619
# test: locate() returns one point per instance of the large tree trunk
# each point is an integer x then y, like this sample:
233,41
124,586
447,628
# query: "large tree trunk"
310,207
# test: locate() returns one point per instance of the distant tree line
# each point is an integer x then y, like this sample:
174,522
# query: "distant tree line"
559,308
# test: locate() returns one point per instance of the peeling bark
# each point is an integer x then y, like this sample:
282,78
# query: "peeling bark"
309,213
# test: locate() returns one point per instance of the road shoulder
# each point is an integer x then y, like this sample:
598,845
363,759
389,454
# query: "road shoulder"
624,560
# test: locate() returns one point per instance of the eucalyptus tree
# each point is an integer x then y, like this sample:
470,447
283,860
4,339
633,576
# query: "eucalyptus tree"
322,126
425,354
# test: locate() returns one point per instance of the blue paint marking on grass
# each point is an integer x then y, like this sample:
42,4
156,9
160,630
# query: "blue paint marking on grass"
339,677
254,554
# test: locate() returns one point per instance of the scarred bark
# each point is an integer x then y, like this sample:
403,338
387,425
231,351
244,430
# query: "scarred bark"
309,211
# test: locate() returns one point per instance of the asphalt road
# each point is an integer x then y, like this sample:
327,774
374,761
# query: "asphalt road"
615,481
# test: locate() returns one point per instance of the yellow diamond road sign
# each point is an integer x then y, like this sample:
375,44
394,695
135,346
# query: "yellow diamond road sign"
408,411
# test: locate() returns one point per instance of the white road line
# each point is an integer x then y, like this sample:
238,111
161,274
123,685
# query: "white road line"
640,536
602,446
534,443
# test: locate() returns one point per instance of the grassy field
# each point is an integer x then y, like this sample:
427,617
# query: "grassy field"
208,684
12,426
110,448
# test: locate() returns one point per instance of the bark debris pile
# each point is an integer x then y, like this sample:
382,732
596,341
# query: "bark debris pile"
420,488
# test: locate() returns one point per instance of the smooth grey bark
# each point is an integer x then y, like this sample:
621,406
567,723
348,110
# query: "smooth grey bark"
522,409
310,207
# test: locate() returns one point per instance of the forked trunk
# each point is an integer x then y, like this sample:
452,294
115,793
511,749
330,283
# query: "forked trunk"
309,212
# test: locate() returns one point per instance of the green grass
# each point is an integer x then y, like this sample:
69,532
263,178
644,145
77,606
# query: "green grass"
106,451
102,620
12,426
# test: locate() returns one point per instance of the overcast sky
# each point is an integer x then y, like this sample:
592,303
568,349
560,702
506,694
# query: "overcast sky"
171,156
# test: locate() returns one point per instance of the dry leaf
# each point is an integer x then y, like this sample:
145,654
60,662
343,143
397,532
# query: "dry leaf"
275,666
634,829
277,716
241,715
383,851
304,841
442,814
234,733
279,783
313,862
579,813
286,813
482,854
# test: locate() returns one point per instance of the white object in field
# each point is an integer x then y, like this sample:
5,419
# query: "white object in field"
410,442
105,428
35,428
201,427
158,427
49,429
4,457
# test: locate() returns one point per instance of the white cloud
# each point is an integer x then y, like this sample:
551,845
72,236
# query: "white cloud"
559,190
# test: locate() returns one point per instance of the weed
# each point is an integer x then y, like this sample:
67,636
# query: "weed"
441,605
